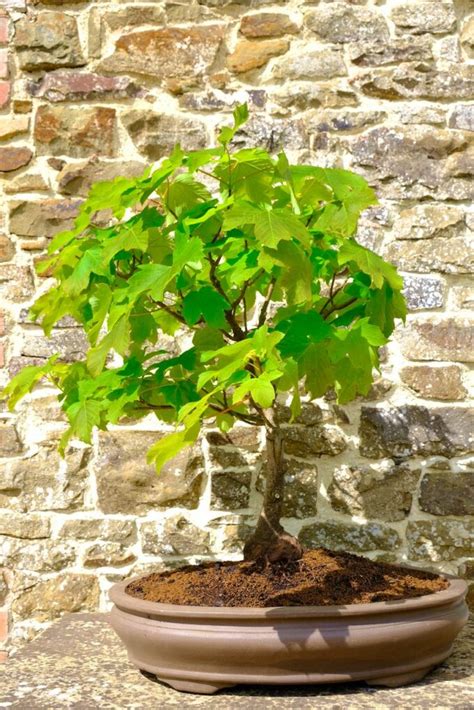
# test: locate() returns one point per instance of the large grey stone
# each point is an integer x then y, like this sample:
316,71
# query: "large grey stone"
177,536
438,540
155,135
176,57
314,440
437,337
337,22
78,178
349,537
447,493
422,292
421,17
411,430
48,40
53,597
383,493
127,484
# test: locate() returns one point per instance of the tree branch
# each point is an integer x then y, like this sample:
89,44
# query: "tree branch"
263,313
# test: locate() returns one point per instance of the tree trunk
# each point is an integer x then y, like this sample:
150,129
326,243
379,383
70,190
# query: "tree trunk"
269,542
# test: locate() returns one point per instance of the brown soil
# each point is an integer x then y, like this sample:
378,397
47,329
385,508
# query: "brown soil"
321,577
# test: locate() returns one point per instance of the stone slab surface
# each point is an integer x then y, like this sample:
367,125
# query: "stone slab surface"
80,664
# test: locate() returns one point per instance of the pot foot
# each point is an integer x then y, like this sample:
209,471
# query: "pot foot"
395,681
190,686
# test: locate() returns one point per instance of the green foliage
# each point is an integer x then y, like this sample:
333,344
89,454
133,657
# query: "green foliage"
255,259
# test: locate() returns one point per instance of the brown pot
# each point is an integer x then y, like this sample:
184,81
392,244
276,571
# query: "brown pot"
202,649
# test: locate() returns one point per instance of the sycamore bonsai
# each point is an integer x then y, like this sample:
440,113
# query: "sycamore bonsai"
253,265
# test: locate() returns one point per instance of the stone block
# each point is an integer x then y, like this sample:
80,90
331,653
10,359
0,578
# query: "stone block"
467,36
99,529
314,441
384,493
301,488
5,88
431,382
438,540
416,159
350,537
126,484
85,86
393,51
447,493
337,22
267,24
29,527
437,337
77,178
272,134
430,220
10,444
43,482
421,292
155,135
174,57
177,536
16,282
42,218
26,182
416,81
12,158
37,556
249,55
12,126
413,430
230,490
53,597
48,40
7,248
108,554
310,64
424,17
77,132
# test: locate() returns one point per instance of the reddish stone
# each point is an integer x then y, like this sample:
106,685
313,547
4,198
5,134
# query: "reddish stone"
174,55
13,158
4,93
3,63
78,132
267,24
3,625
3,30
252,55
78,86
6,248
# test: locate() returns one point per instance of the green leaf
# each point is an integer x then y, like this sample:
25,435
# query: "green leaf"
149,278
270,226
183,193
117,339
83,417
371,264
171,444
316,365
206,303
24,382
300,330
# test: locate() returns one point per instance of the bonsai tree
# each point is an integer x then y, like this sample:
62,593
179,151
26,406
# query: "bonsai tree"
251,260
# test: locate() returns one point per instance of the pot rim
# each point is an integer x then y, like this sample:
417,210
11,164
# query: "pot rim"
455,592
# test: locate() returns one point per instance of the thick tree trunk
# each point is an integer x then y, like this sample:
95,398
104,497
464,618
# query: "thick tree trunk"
269,542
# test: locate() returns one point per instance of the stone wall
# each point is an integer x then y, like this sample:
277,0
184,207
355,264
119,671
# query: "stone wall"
91,90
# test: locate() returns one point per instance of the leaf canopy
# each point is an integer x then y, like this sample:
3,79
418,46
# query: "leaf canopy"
249,262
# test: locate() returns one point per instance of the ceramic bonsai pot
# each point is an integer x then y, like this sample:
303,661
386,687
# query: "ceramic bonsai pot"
203,649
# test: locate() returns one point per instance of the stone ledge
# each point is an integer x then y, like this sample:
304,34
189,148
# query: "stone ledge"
80,663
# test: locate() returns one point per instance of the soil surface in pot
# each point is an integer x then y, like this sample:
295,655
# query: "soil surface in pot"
321,577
